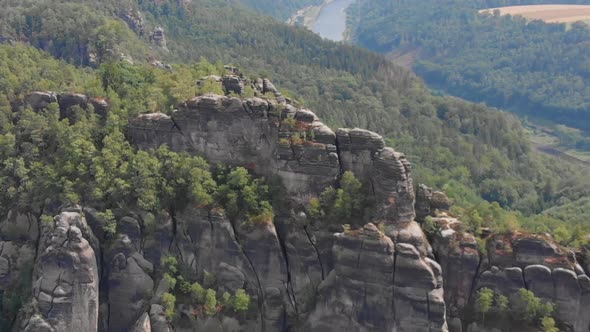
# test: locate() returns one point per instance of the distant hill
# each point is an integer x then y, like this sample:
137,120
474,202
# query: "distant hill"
524,66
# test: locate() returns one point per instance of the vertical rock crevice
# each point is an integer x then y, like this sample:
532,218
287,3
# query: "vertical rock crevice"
289,285
261,302
313,244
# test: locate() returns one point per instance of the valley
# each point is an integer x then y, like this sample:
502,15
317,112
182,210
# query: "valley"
327,20
331,21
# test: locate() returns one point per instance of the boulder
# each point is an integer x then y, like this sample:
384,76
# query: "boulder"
101,106
69,99
538,279
233,84
39,100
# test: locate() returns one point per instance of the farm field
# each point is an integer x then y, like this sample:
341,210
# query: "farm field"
547,13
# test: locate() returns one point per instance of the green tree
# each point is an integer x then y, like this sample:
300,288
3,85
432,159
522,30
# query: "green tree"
169,303
484,301
346,204
528,307
211,302
241,301
548,325
198,293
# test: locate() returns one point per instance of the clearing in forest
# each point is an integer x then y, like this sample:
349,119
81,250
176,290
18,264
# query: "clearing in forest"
547,13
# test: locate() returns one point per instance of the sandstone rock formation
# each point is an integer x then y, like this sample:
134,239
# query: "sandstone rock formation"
40,100
65,282
429,201
252,132
380,274
134,20
158,37
513,261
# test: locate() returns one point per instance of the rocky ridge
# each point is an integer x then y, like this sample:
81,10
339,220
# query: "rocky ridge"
384,275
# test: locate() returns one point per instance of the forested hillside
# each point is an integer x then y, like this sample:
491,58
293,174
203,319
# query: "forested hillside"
531,68
466,149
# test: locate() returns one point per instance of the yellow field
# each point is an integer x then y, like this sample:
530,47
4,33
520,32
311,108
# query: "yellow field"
547,13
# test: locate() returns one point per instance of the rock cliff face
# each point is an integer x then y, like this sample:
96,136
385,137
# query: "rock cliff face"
301,276
66,101
513,261
315,277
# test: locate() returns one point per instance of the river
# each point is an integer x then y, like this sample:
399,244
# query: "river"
331,23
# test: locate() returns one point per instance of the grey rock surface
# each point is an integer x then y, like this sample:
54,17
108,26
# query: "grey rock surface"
130,284
65,287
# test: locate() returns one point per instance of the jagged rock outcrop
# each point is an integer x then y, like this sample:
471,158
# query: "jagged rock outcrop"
134,20
388,172
158,37
161,65
458,255
512,261
40,100
429,201
268,87
401,293
350,299
65,282
234,84
279,139
252,133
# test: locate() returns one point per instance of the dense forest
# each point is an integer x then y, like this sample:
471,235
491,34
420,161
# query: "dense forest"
479,156
531,68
